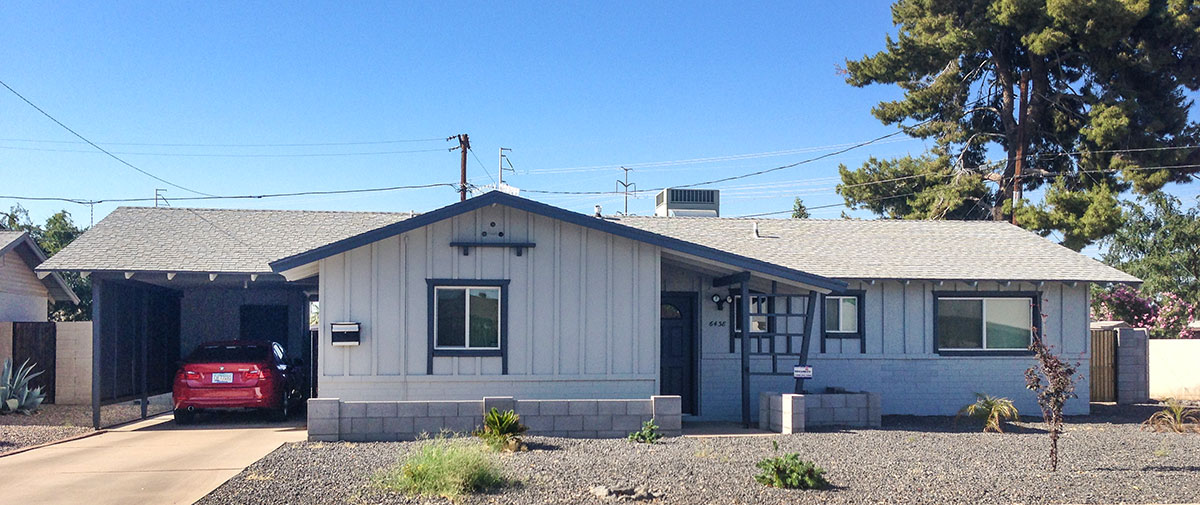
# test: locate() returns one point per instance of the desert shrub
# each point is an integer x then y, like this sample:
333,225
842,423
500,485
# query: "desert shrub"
1054,382
502,430
444,467
647,435
789,472
993,411
15,393
1175,416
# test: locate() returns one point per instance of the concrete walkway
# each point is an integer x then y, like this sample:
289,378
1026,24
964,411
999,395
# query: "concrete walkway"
153,461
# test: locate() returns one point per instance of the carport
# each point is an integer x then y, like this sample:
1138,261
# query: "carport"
165,280
143,323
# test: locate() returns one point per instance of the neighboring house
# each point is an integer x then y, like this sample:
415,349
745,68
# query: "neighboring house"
24,295
504,296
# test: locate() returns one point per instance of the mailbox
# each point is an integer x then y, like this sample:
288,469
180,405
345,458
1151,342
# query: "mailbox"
345,333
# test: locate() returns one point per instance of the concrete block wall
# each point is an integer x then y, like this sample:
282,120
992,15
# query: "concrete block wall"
330,419
73,363
1133,366
792,413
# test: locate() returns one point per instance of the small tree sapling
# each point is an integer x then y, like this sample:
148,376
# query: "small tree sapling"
1054,381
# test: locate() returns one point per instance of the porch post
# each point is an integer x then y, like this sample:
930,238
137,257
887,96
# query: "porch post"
744,304
144,334
810,324
97,289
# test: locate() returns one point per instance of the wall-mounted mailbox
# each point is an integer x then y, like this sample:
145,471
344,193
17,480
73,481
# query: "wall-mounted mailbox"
345,333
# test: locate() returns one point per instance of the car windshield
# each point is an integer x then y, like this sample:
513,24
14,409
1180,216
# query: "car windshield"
230,353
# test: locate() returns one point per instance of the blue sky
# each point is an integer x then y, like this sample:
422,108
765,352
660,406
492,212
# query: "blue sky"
568,86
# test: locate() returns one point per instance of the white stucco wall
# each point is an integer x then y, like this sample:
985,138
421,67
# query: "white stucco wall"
1173,369
582,306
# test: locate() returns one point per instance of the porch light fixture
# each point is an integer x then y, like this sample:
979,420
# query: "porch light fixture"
716,298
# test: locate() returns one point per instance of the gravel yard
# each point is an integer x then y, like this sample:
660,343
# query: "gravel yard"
1105,458
14,437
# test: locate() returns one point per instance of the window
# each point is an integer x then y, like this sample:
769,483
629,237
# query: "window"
758,305
668,311
841,314
466,317
985,322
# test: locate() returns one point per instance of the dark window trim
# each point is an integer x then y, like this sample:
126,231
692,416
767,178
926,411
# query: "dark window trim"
861,295
502,352
1035,296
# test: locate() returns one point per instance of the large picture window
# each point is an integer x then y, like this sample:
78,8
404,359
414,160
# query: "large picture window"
977,323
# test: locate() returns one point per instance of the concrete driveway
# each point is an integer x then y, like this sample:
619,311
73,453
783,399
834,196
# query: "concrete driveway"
153,461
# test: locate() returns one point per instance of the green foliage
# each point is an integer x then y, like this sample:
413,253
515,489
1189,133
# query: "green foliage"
647,435
1105,94
799,211
1160,244
789,472
444,467
502,430
993,411
15,393
1054,382
1175,416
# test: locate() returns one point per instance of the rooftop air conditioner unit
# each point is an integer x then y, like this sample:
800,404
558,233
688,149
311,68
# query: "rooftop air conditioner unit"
672,202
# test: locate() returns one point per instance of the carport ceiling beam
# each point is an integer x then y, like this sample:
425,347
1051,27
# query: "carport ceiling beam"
212,277
170,276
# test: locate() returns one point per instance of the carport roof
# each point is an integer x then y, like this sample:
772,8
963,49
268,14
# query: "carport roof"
142,239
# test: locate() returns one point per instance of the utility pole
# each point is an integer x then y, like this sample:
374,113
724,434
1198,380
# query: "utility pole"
626,184
500,168
464,143
1022,104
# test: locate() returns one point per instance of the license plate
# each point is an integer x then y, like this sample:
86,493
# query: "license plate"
222,378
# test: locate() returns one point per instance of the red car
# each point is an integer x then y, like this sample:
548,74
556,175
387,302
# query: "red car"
236,375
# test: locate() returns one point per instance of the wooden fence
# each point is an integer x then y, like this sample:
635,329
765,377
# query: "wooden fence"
1104,366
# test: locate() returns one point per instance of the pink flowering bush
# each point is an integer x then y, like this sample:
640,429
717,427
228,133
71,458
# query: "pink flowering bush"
1166,317
1174,314
1125,304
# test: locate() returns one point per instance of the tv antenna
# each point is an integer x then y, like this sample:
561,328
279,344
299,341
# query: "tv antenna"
159,196
500,170
625,185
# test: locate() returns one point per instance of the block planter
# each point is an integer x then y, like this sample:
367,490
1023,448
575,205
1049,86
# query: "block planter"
330,419
792,413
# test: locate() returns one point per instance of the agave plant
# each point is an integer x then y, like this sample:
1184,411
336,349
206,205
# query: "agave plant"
992,410
1175,416
15,393
502,430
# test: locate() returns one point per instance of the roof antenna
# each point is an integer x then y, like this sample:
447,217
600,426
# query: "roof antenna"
598,210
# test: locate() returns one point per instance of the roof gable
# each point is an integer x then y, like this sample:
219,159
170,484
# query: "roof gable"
21,245
599,224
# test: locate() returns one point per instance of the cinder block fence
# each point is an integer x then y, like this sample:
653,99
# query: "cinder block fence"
331,419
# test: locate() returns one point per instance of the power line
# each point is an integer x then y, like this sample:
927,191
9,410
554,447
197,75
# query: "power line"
303,144
93,144
485,170
84,201
224,155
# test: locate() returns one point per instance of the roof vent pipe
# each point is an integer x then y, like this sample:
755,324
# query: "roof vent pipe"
597,210
756,235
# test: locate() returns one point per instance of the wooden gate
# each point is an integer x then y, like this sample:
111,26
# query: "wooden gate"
37,343
1104,366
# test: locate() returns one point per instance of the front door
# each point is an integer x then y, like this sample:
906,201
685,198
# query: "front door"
678,367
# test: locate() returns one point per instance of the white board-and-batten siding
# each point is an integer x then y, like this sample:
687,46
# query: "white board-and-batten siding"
582,312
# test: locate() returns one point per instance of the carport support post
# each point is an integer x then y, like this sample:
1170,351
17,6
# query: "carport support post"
97,303
144,326
744,304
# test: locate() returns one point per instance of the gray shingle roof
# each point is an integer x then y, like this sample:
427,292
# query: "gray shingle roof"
890,249
245,241
8,237
208,240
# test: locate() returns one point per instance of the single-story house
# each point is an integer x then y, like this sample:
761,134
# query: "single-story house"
24,295
501,295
